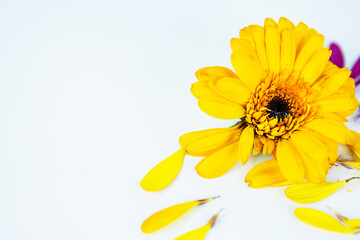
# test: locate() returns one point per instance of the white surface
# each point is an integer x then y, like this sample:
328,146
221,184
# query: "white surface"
95,93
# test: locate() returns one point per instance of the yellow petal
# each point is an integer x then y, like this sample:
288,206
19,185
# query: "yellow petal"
355,146
288,51
272,42
202,89
316,65
334,130
321,220
289,162
269,22
211,143
247,66
314,155
221,108
315,43
312,192
199,233
352,223
164,173
245,144
191,137
219,163
302,35
336,103
329,84
284,23
231,88
214,73
266,174
258,34
168,215
353,164
257,146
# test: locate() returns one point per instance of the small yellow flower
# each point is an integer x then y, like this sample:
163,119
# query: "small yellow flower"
290,102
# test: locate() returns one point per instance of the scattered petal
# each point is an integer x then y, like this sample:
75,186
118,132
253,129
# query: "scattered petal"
353,164
321,220
164,173
310,192
352,223
168,215
199,233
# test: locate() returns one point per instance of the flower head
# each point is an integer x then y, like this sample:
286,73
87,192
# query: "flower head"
288,98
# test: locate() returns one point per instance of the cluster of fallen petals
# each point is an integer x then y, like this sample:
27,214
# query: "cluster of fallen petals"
289,98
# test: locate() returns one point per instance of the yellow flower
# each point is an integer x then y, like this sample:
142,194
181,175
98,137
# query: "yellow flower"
288,99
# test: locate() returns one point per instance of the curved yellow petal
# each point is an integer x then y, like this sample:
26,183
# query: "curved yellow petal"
211,143
285,23
331,83
288,51
302,34
246,143
314,44
219,163
316,65
321,220
213,73
191,137
289,162
202,89
312,192
231,88
337,103
247,66
168,215
221,108
334,130
314,155
164,173
353,164
266,174
272,43
269,22
199,233
258,34
352,223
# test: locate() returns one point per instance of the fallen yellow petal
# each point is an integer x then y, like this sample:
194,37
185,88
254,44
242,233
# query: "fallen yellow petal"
321,220
199,233
168,215
164,173
353,164
266,174
353,223
311,192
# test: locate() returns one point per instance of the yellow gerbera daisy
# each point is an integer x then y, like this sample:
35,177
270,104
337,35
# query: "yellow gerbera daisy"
287,98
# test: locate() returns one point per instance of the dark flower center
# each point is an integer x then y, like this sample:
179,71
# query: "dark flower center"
278,107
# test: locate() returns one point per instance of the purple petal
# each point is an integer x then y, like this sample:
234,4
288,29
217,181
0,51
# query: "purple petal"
356,69
336,56
357,81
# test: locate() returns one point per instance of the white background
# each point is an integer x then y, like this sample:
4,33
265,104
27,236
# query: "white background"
93,94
